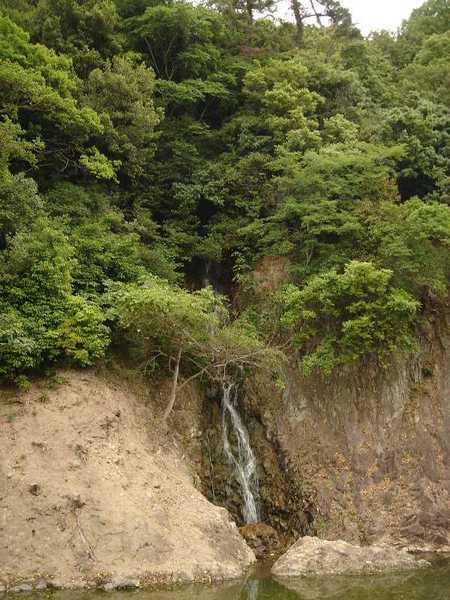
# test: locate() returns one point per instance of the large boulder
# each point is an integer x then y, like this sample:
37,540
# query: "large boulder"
313,556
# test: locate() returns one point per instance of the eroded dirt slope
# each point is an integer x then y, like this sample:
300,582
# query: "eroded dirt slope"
91,493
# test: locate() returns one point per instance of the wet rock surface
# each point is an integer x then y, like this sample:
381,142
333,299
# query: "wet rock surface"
262,538
121,584
313,556
281,502
366,450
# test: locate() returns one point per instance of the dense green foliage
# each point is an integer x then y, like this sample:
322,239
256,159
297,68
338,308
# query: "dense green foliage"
161,320
148,148
341,317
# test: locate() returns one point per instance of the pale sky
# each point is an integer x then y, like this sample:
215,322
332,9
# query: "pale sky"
369,15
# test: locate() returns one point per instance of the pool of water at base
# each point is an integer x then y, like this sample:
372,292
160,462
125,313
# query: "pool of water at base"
432,583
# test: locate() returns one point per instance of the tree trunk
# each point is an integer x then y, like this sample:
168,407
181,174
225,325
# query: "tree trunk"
313,6
249,8
296,9
173,392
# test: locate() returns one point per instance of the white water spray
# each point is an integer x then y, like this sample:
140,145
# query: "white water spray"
244,461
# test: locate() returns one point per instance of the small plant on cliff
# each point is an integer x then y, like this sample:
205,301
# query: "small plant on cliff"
339,318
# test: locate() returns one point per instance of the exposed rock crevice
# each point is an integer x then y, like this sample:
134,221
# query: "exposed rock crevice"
370,446
283,503
363,455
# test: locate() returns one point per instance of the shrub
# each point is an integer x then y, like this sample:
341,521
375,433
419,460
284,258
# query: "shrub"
339,318
82,336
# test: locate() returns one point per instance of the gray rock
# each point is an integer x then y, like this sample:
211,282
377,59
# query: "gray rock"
313,556
22,587
56,584
40,585
121,584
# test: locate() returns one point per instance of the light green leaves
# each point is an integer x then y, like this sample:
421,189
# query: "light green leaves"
122,95
340,318
98,165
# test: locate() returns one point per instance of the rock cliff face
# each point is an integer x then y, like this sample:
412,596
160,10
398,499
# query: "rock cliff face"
368,451
92,494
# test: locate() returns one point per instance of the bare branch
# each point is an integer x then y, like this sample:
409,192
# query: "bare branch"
313,6
173,393
198,374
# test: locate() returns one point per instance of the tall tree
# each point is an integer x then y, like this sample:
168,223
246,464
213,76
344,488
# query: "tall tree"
318,10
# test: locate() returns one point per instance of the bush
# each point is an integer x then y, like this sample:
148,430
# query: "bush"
19,350
339,318
82,337
160,319
40,319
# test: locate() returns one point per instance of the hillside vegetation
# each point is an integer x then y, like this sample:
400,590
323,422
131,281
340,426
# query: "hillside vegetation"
148,148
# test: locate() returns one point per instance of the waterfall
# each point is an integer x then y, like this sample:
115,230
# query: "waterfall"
243,460
252,589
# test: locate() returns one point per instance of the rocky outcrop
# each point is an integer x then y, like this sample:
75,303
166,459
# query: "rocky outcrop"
313,556
281,502
92,493
262,538
367,451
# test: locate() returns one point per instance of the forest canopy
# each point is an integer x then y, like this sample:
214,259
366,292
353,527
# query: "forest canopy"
151,149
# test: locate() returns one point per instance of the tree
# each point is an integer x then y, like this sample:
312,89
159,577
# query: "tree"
39,94
86,30
166,323
20,202
233,9
143,141
179,41
190,330
122,95
40,319
413,240
318,10
340,318
429,19
422,130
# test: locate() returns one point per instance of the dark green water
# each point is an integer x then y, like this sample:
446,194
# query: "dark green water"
426,584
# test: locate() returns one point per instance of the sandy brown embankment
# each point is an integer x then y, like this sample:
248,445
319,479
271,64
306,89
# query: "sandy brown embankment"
93,492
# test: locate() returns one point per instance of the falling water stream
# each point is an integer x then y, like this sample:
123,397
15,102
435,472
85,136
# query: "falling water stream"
242,459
